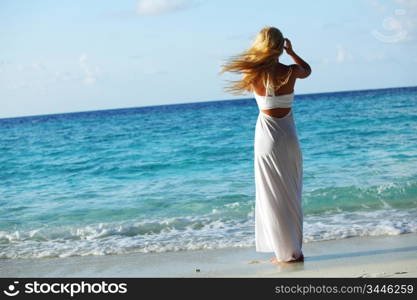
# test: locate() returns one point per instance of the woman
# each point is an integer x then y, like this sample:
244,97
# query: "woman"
278,161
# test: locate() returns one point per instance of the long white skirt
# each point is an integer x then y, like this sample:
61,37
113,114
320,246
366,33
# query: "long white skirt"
278,166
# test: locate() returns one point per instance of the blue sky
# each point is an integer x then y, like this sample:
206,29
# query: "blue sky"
64,56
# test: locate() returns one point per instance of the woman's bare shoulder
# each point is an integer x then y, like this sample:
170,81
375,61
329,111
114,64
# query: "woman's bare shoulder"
300,72
282,70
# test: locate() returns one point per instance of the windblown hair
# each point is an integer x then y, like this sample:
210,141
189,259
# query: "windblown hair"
256,62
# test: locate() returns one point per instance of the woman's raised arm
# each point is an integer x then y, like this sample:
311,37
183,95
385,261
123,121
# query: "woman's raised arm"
301,69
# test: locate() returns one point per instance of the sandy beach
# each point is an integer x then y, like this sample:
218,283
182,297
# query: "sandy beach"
382,256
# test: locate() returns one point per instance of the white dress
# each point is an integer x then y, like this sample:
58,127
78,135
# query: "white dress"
278,167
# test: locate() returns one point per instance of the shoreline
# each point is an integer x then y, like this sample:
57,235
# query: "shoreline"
378,256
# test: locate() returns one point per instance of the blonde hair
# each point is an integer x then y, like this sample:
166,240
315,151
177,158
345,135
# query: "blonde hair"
257,61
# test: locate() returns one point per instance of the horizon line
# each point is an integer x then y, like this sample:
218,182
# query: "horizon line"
206,101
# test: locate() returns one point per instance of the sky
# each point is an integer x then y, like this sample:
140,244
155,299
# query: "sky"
73,55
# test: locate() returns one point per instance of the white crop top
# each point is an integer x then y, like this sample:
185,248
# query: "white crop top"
270,100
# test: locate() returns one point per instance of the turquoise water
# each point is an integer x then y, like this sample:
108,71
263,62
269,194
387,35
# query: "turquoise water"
180,177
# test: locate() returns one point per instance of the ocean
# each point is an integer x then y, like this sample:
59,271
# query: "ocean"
180,177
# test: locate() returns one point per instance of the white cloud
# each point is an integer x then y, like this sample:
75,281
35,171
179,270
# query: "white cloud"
378,6
409,3
89,72
37,66
146,65
342,55
375,56
39,76
157,7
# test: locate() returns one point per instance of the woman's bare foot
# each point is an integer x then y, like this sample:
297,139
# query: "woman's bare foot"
299,259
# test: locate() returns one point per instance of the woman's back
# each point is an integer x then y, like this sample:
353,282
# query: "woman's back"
281,71
285,75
